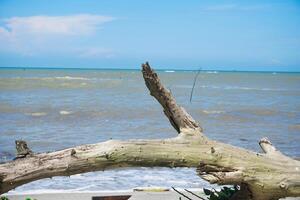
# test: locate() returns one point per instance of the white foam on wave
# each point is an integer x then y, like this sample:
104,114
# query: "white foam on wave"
212,72
37,114
71,78
64,112
116,180
242,88
213,111
38,191
153,177
52,78
169,71
251,88
55,191
236,88
99,192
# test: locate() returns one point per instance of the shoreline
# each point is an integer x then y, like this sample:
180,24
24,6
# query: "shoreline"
134,195
88,195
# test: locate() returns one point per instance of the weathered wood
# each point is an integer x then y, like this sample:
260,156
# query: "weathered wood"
177,115
22,149
266,176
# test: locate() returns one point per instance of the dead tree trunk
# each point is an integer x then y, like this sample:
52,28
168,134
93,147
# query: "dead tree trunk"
266,176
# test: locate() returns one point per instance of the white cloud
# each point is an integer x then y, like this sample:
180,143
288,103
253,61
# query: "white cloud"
35,35
62,25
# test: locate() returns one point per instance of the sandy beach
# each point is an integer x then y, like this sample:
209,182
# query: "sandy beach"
166,195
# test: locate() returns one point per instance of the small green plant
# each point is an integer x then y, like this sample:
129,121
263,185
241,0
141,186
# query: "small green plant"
28,198
3,198
224,194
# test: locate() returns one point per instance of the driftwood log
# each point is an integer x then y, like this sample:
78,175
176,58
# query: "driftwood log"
262,176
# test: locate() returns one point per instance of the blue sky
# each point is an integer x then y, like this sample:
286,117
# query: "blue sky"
225,35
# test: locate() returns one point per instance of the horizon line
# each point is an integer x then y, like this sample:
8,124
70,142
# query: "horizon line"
157,69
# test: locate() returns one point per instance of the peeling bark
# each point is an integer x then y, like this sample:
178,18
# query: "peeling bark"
266,176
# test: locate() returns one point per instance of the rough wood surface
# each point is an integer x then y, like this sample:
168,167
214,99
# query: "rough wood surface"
177,115
22,149
266,176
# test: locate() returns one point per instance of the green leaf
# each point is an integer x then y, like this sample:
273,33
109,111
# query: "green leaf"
227,190
206,191
213,197
223,196
232,191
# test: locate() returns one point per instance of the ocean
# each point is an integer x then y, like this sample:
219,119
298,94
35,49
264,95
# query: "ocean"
53,109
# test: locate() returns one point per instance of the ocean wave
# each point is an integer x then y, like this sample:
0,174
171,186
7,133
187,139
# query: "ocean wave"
71,78
169,71
211,72
66,191
51,78
151,189
242,88
116,180
64,112
61,78
213,111
250,88
40,114
153,178
236,88
37,114
55,191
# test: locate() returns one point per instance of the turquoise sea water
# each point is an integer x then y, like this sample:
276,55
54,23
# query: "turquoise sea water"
58,108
